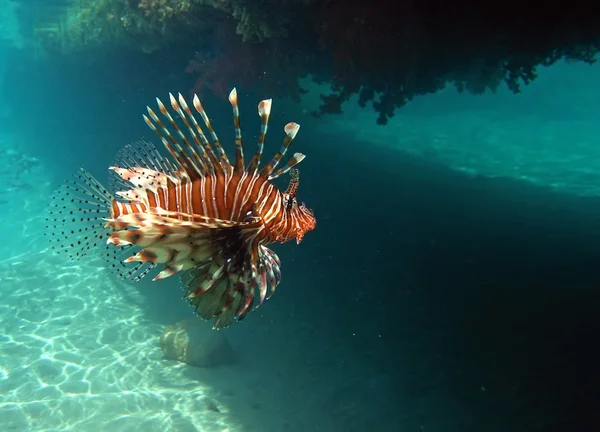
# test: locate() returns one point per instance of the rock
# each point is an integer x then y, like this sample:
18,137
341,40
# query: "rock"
191,341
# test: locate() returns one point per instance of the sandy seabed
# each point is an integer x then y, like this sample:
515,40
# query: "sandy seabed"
79,353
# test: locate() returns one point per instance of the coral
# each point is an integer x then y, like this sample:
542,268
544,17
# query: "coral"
158,10
152,24
389,52
385,52
249,65
140,24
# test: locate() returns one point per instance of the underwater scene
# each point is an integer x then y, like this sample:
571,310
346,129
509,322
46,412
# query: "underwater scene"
299,215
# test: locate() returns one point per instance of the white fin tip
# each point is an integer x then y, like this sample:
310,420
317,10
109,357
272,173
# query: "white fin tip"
197,103
299,157
233,96
264,107
291,129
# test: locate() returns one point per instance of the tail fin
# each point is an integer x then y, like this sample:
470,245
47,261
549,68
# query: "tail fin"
76,216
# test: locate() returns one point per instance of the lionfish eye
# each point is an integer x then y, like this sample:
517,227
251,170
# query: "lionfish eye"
290,203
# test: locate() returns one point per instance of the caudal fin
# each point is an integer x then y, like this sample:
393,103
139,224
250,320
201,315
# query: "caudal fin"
77,215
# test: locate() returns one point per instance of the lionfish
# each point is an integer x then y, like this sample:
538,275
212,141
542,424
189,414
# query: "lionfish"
194,213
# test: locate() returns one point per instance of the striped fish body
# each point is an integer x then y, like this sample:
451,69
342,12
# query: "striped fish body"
195,214
228,196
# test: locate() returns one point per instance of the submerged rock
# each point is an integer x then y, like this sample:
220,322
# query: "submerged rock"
191,341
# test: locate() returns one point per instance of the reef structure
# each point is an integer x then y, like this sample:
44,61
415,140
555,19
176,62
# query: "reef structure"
384,52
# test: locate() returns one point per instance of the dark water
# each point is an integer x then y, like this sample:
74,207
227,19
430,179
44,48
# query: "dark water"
479,293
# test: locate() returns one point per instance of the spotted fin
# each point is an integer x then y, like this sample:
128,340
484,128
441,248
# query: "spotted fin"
76,224
139,163
77,214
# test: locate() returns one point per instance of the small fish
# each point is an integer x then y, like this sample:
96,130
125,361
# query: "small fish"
194,213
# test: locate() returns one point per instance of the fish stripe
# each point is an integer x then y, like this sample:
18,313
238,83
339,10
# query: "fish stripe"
171,199
162,201
152,199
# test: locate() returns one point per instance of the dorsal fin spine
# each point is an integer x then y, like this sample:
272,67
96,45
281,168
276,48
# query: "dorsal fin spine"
200,139
197,159
295,160
264,111
224,161
239,149
291,129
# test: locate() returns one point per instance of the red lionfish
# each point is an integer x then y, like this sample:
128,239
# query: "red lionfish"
197,213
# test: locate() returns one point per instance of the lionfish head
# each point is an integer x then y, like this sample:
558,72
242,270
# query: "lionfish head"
302,218
306,222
